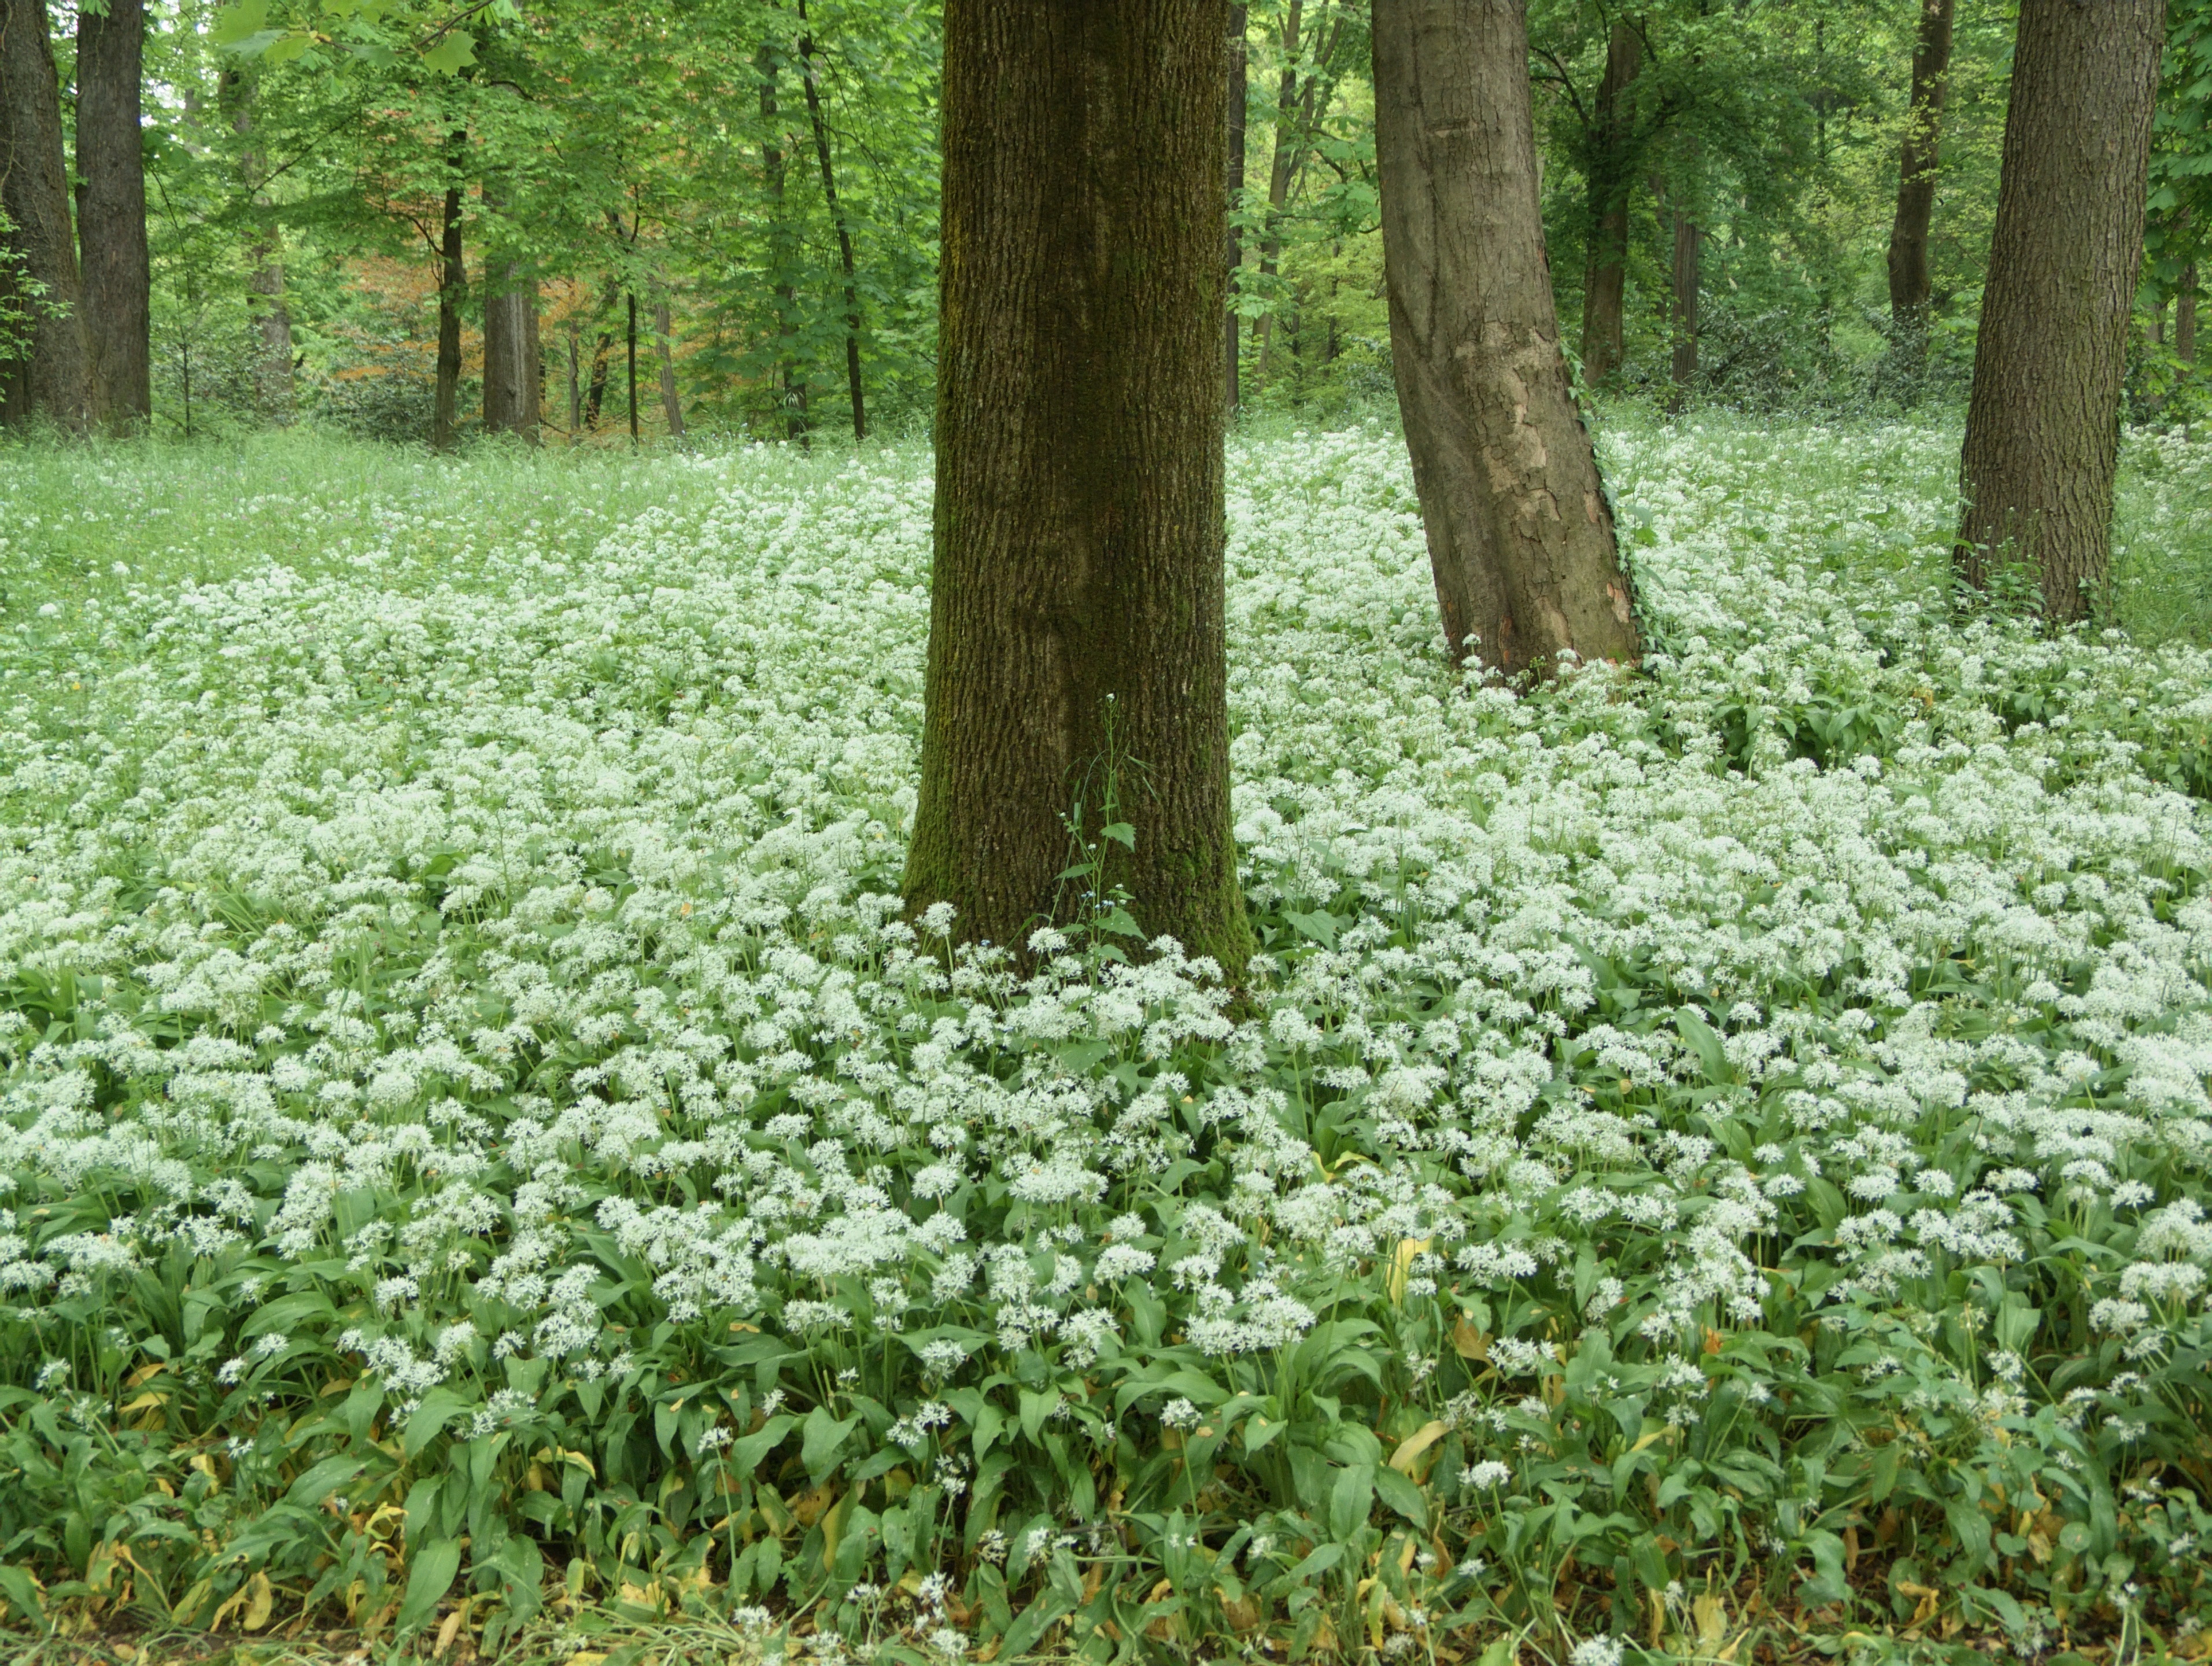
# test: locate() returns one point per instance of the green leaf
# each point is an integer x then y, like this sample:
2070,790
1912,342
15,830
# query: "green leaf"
1402,1495
427,1581
1122,833
1351,1501
325,1479
239,21
440,1406
454,53
824,1435
747,1453
1319,925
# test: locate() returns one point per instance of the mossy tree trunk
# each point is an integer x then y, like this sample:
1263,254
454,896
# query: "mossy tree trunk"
1077,610
2042,425
1519,536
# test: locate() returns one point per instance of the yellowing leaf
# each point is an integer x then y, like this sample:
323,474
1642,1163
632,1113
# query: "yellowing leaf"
260,1598
1411,1448
1402,1264
1711,1618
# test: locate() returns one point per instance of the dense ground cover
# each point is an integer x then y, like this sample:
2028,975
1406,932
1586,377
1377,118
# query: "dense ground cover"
1703,1154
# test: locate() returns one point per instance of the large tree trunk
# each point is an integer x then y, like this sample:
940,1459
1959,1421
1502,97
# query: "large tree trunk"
664,335
837,218
790,374
1519,536
49,371
514,371
116,276
452,287
1077,636
1605,269
1915,182
2042,436
1239,81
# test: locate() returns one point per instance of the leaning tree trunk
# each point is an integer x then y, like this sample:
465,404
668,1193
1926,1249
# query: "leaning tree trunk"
1605,269
836,218
452,286
664,335
49,371
116,276
1520,535
2042,432
1077,640
1915,182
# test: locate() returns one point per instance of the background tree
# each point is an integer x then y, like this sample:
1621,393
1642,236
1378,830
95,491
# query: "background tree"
116,268
1917,157
1520,535
2042,446
50,371
1076,694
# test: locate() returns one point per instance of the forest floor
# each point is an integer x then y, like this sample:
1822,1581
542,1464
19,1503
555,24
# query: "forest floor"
1709,1166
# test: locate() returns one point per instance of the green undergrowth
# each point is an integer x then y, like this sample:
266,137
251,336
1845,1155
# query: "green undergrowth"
1709,1164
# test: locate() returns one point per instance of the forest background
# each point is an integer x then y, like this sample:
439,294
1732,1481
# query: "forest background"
721,215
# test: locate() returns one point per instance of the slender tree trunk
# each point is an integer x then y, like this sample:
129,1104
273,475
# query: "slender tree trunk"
2158,323
1917,162
2042,437
270,367
1280,168
630,341
595,393
1605,272
1520,535
663,332
1076,637
2185,316
452,287
1689,251
837,218
576,389
790,376
1239,81
49,371
116,276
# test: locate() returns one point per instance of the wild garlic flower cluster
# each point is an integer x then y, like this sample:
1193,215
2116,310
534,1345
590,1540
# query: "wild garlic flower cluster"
487,963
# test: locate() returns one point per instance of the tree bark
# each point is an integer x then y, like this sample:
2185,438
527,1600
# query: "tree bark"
1605,269
664,332
837,219
1281,166
1239,81
452,287
270,368
514,367
790,374
1689,251
1077,615
1521,538
117,275
1916,161
2042,438
629,339
49,372
513,376
2185,316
